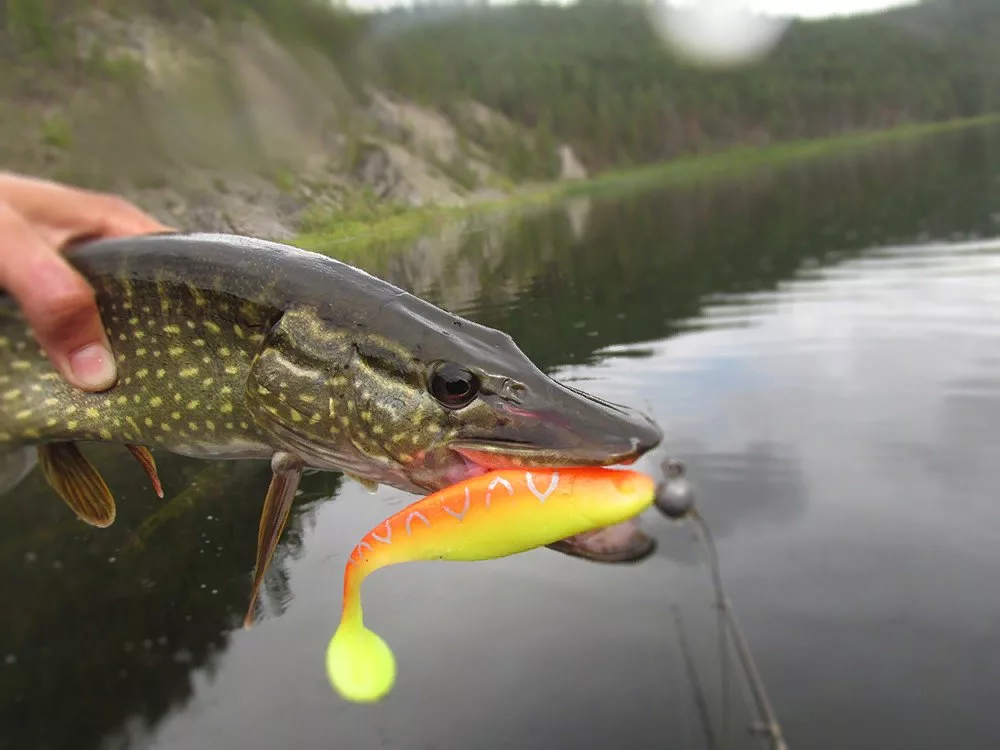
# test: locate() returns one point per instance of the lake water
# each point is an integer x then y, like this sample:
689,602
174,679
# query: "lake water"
821,344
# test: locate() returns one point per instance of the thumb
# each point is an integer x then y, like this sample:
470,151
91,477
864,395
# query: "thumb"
58,304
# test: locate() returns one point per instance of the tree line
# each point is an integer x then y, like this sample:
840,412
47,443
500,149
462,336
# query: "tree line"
597,75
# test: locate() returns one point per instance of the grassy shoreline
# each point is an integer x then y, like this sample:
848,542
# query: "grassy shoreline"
399,222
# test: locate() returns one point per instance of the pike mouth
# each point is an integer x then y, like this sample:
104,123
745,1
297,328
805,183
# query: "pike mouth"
503,454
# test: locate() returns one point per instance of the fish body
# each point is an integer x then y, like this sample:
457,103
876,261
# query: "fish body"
230,347
187,317
502,513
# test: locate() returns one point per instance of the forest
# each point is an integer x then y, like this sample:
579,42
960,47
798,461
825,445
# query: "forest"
597,75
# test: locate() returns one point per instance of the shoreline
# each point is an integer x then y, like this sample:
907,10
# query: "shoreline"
393,222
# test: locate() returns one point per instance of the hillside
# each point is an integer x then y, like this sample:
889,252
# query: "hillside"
236,116
273,117
597,74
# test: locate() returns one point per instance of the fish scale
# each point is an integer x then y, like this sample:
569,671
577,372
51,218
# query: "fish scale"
230,347
180,378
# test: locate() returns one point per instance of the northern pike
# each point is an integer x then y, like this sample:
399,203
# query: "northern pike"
498,514
230,347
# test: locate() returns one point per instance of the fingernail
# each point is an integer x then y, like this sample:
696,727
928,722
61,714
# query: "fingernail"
93,367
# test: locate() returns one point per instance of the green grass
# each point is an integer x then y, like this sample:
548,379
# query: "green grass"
362,224
735,162
394,223
56,132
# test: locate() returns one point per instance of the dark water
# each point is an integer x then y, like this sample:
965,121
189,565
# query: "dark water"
821,345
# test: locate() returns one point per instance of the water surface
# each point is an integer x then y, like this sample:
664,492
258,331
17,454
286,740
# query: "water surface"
821,344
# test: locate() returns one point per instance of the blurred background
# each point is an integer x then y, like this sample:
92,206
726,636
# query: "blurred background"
279,116
774,226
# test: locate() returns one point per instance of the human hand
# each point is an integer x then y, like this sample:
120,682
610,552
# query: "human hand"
38,220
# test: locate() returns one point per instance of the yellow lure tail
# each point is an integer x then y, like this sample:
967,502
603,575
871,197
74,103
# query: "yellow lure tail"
360,665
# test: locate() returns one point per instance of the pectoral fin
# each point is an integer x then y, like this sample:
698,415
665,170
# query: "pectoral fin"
78,482
286,473
145,459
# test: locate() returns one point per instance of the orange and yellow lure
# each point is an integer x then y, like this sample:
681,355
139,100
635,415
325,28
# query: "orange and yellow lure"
500,513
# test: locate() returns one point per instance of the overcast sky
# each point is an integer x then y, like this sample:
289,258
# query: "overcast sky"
806,8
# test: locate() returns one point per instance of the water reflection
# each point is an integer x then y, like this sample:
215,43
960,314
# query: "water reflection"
874,381
650,264
98,630
830,385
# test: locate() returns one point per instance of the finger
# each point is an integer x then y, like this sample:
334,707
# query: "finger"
117,217
58,304
62,214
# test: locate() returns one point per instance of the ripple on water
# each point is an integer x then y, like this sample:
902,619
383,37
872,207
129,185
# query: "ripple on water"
947,295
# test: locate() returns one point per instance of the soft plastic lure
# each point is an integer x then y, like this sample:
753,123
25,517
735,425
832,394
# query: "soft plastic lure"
501,513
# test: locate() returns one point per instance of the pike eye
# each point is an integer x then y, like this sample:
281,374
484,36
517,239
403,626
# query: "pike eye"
453,386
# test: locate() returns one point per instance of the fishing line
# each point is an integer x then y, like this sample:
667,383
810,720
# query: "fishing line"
701,530
699,696
767,723
675,500
677,497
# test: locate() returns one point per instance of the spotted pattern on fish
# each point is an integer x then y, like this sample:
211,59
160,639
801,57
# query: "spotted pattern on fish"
180,376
